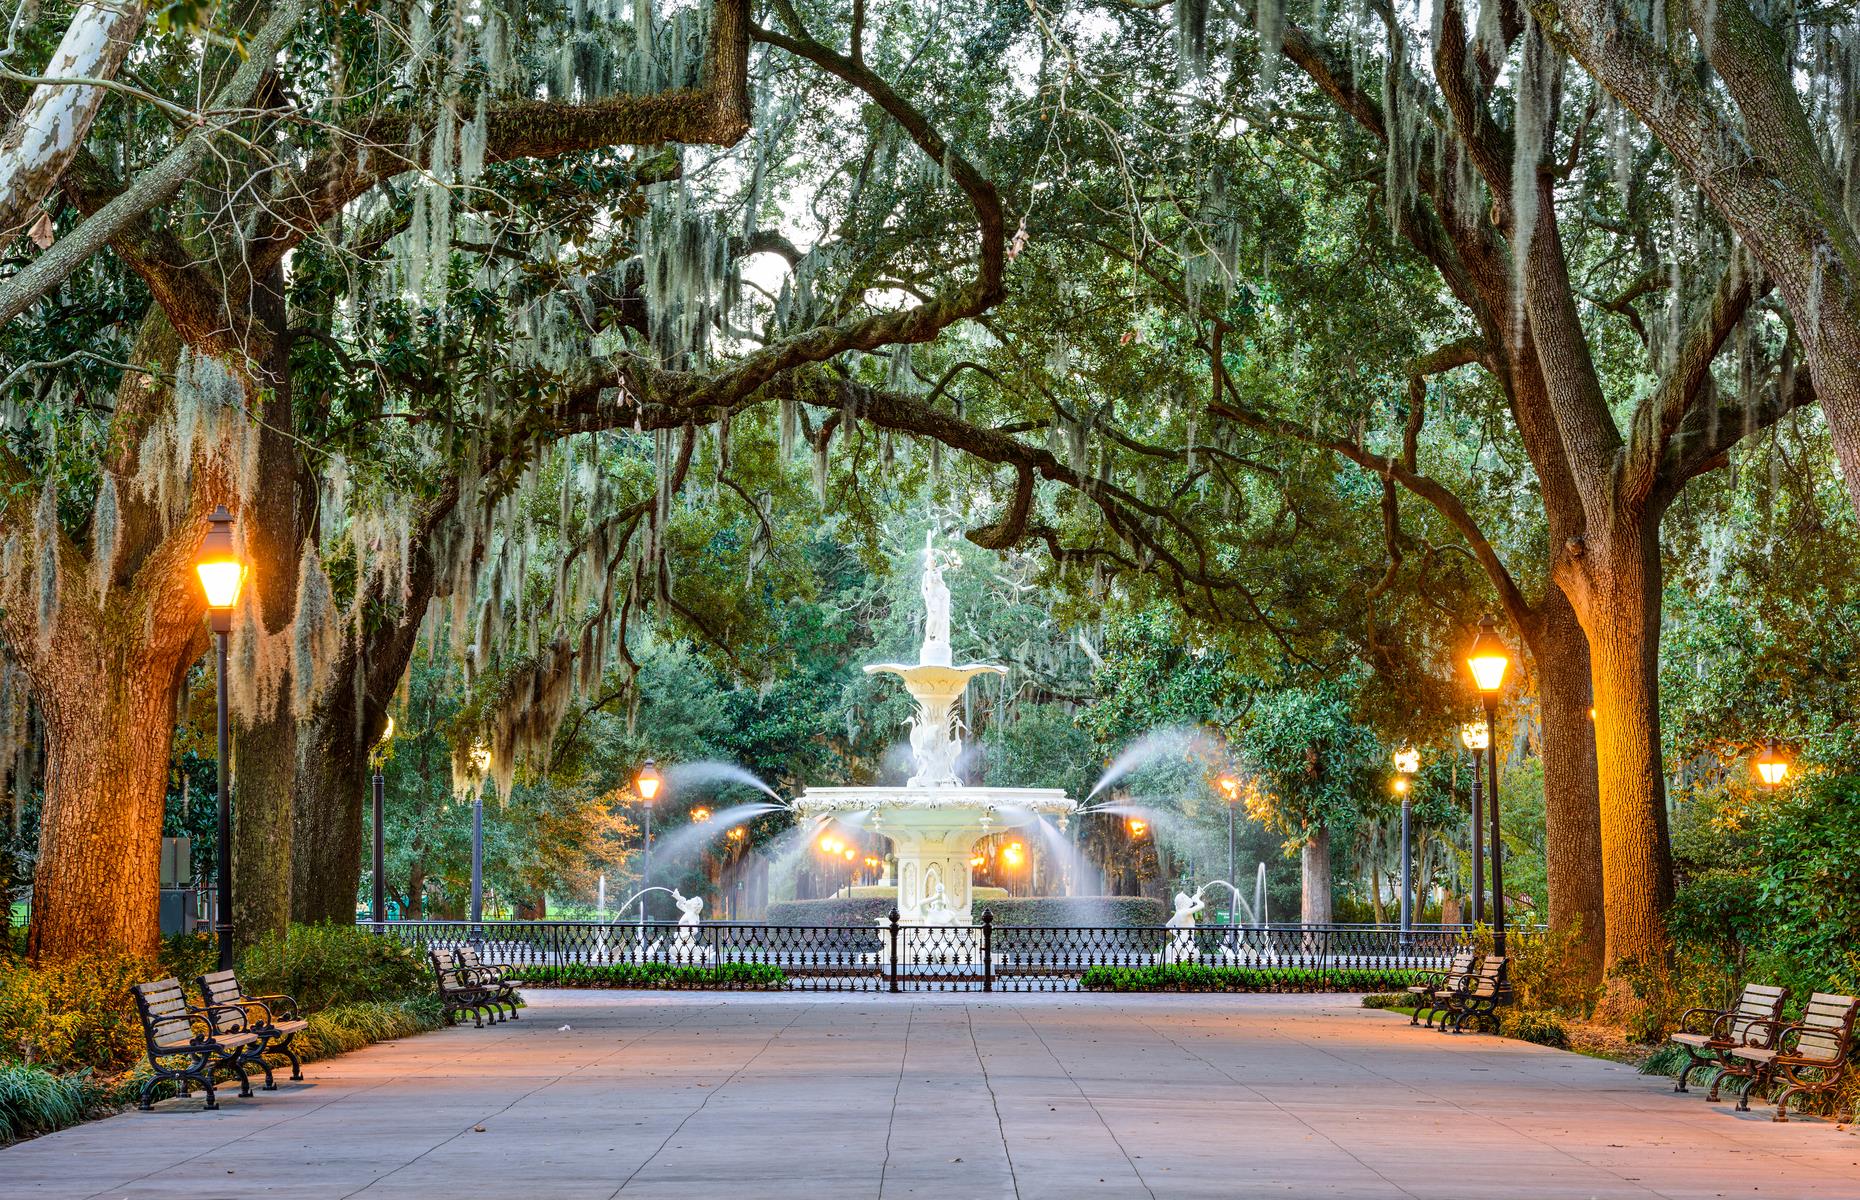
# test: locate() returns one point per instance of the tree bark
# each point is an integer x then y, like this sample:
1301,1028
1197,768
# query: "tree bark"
1614,584
1314,862
109,727
1572,800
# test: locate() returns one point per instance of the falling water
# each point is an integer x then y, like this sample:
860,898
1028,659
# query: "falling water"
682,843
693,774
1178,743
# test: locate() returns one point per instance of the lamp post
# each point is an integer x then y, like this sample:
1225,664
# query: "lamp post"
1772,767
221,573
481,759
1407,763
1231,786
1474,736
647,784
1489,658
378,906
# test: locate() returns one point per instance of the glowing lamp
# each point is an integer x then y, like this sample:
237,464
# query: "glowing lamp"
1407,760
1489,659
218,563
1475,736
849,856
700,814
481,757
648,781
1772,766
1137,826
738,833
1230,785
1400,785
1013,856
977,861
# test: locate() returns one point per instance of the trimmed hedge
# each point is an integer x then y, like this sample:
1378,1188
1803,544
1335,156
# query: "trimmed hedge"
755,976
1196,977
1109,911
1105,911
860,910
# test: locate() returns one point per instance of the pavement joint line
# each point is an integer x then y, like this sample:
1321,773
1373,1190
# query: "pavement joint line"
549,1082
994,1101
910,1022
1224,1074
1089,1103
708,1094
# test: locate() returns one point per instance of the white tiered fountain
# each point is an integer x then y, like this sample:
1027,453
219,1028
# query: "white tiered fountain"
933,821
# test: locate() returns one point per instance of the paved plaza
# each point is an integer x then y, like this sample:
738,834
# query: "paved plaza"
747,1097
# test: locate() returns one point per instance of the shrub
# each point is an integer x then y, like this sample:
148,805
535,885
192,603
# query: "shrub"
860,910
1112,911
324,965
1388,1000
1534,1025
34,1100
1199,977
73,1014
656,975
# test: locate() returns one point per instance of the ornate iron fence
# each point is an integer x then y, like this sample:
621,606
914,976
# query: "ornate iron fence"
894,957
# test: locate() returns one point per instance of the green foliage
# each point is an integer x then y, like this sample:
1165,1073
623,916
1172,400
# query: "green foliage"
73,1014
1118,912
739,976
34,1100
1388,1000
1317,765
1197,977
864,911
324,965
1534,1025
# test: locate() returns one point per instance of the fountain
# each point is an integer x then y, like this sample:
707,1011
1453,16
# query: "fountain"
933,821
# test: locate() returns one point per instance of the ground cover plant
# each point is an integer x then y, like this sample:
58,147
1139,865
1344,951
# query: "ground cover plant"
755,976
1198,977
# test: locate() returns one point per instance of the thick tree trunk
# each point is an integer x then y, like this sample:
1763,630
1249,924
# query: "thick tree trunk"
1572,803
1314,905
327,849
108,732
1616,589
265,749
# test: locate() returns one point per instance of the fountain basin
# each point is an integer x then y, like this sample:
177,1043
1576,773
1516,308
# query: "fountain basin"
933,831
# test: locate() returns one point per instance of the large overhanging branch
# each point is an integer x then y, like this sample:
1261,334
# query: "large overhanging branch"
159,182
715,112
51,126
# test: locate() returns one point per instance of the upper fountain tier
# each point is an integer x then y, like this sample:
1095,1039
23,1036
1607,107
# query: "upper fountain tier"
936,685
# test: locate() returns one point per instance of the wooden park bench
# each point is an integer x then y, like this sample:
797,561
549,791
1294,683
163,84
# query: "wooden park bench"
1452,979
274,1019
1708,1035
1486,989
458,990
176,1030
498,986
1809,1057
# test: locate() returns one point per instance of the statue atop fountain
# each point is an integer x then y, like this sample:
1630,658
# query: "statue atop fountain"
936,685
934,820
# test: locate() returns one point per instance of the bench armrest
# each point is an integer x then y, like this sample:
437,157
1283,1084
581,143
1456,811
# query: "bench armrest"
1764,1033
1714,1018
1788,1052
276,1008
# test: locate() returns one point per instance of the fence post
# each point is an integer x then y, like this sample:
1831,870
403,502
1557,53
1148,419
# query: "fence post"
988,950
892,960
716,954
1324,956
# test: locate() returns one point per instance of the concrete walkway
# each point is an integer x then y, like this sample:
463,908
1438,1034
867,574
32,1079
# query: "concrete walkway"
749,1097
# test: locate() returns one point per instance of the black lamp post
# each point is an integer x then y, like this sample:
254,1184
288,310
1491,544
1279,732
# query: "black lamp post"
221,573
378,906
1231,787
1407,762
1489,658
481,759
1476,735
647,784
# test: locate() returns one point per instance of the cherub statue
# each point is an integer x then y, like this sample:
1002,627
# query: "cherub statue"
689,908
936,909
1181,945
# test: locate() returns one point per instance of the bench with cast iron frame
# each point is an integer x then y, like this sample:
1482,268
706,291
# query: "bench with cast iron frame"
1486,989
459,991
274,1019
499,988
1708,1035
177,1030
1440,982
1809,1057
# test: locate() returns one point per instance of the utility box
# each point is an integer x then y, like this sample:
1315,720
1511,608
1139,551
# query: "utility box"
177,862
178,914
